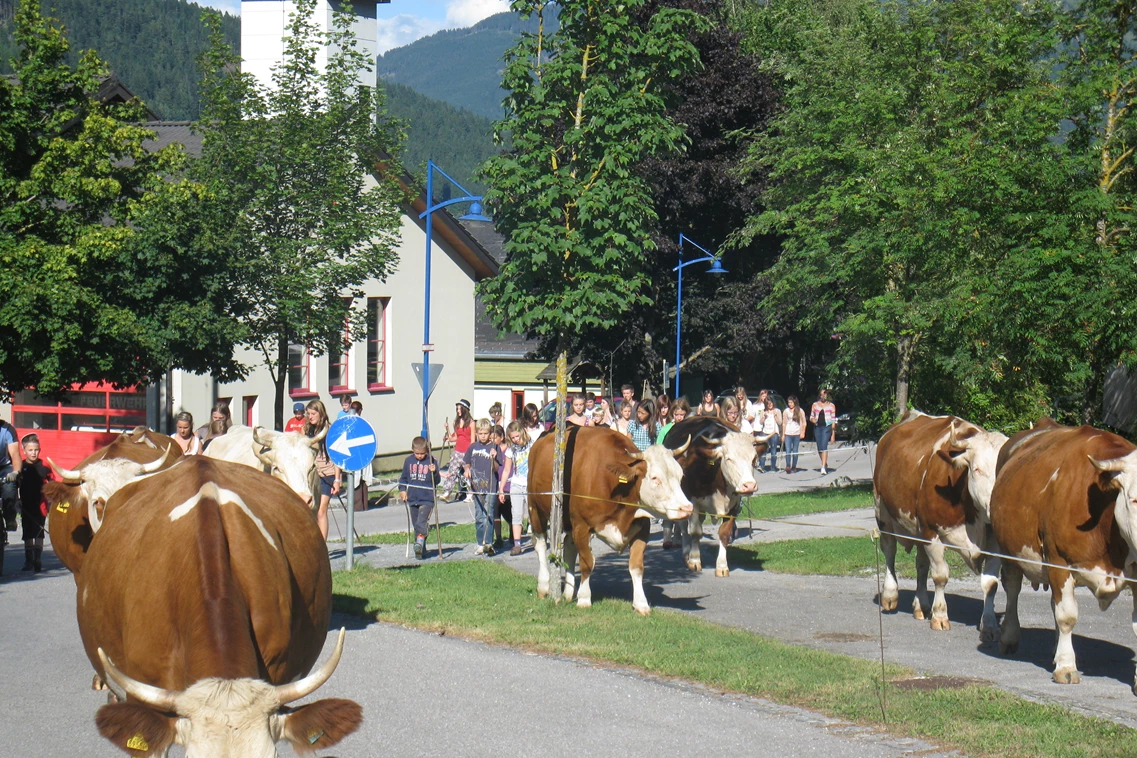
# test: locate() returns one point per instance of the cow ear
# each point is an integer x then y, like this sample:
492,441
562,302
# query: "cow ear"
321,724
136,729
1109,481
953,458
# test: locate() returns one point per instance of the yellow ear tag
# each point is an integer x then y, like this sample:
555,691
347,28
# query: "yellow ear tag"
314,736
623,479
62,507
138,742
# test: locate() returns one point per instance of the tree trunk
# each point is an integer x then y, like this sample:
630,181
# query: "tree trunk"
279,379
905,347
1092,395
556,516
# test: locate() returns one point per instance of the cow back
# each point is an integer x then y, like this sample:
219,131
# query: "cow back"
207,569
68,524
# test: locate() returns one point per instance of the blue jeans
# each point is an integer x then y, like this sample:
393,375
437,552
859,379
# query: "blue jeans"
484,517
790,446
772,452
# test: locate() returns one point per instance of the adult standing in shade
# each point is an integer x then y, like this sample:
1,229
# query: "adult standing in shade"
823,414
708,407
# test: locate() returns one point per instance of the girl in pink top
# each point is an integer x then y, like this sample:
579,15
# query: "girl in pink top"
823,414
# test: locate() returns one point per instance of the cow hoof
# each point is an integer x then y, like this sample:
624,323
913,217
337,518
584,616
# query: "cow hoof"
542,593
988,636
569,593
97,683
722,572
584,602
918,613
1067,676
643,611
1008,648
889,603
695,565
940,625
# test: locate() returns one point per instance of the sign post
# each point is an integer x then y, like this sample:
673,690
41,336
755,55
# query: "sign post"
351,447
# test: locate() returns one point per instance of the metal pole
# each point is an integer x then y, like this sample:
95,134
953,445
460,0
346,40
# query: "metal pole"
679,317
426,299
351,522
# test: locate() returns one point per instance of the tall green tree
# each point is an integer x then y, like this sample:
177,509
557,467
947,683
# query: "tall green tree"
84,296
915,151
585,106
290,202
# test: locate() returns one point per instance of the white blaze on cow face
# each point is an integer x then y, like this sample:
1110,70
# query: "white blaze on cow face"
291,456
660,491
99,480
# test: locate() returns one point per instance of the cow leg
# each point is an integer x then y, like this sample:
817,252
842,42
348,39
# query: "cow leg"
692,551
890,595
726,528
921,607
570,567
1010,631
581,534
636,566
1065,607
541,547
989,581
940,573
1133,620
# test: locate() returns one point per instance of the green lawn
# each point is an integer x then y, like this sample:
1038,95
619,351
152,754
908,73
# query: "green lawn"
818,500
452,534
488,601
831,556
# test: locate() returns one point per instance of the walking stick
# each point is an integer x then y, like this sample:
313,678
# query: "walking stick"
434,499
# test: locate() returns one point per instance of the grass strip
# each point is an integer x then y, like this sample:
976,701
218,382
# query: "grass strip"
452,534
829,556
487,601
820,500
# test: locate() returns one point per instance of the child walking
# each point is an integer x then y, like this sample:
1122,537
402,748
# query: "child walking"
33,508
416,489
481,470
516,472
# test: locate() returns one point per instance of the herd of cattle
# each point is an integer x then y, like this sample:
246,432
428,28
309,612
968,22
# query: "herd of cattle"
1059,502
203,593
203,586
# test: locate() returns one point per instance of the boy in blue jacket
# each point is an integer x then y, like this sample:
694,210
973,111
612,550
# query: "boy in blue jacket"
416,488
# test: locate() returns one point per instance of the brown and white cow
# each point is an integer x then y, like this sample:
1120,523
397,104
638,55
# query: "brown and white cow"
718,470
1067,497
612,490
69,523
288,456
933,481
205,601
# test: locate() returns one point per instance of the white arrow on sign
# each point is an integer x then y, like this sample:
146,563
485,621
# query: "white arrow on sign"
344,445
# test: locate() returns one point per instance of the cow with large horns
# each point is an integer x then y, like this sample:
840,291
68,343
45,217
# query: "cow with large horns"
932,482
1064,507
718,470
204,603
69,522
288,456
612,490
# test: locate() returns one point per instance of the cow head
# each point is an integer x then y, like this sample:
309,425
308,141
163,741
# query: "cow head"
979,454
99,480
291,457
1120,475
736,453
225,718
660,490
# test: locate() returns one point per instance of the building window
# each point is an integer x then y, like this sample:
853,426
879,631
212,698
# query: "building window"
248,410
299,371
377,343
339,360
93,407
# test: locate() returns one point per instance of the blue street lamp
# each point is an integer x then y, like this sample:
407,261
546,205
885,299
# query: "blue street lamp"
716,268
475,214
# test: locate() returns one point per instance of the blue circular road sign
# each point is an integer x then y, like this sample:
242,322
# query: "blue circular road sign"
351,443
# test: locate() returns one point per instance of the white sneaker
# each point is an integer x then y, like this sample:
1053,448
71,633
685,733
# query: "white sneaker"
823,471
480,551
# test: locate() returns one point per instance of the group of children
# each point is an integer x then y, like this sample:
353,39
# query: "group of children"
21,489
496,466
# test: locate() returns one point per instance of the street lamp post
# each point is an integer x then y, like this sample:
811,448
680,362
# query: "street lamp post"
716,268
475,214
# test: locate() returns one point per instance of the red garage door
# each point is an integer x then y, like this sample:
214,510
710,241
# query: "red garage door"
88,417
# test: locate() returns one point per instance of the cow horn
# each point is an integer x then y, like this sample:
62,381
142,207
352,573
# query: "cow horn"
163,700
635,455
315,441
309,684
150,468
149,443
93,515
257,437
760,438
1114,464
683,448
66,475
952,440
711,442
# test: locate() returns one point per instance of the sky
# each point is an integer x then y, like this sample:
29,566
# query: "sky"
403,21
